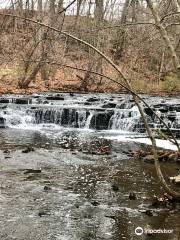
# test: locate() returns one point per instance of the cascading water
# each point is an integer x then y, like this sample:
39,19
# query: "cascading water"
124,119
77,112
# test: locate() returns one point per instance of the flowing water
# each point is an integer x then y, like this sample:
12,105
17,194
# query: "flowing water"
75,179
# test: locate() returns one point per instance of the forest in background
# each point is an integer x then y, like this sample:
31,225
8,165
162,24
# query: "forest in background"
140,36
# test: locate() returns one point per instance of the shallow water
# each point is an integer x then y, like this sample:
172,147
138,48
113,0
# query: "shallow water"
73,197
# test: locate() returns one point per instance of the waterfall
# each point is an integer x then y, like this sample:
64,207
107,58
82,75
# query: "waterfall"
77,113
88,120
124,119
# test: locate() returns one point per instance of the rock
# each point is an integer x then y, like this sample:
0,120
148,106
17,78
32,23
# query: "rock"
100,121
149,213
110,216
55,98
2,122
28,149
174,107
45,102
22,101
95,203
3,107
132,196
171,116
149,111
109,105
87,103
43,213
6,151
93,99
115,188
47,188
27,171
4,100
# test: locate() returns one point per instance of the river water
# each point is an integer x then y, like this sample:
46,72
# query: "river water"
66,171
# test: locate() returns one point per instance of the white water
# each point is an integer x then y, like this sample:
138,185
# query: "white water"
160,143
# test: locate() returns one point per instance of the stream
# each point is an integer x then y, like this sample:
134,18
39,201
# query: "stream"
67,172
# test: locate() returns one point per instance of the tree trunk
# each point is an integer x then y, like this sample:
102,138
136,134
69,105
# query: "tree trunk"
99,10
120,38
165,37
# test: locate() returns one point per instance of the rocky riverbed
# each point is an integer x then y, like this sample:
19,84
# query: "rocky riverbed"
68,182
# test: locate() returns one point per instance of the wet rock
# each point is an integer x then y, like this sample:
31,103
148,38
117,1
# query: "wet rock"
109,105
87,103
47,188
22,101
149,112
55,98
149,213
93,99
132,196
7,151
45,102
111,216
43,213
95,203
28,149
2,122
4,100
115,188
71,94
3,107
100,121
171,116
27,171
174,107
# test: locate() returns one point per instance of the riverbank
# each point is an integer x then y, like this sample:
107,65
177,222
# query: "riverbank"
71,89
67,81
